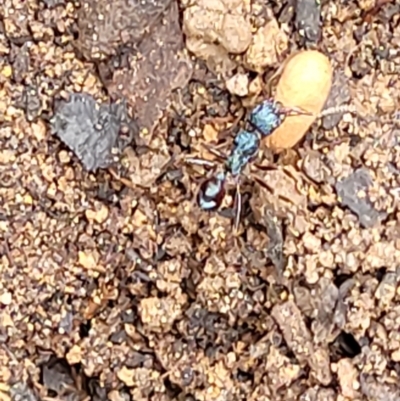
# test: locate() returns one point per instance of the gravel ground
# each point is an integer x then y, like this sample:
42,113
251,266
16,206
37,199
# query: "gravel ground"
115,285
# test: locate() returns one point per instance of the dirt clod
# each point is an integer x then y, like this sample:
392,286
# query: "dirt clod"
266,46
222,21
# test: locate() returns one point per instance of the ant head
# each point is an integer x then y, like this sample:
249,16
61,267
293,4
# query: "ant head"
266,117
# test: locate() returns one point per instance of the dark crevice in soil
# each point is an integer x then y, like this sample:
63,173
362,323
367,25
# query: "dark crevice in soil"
340,278
84,329
345,345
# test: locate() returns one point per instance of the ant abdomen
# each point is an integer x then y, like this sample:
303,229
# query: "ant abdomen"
211,192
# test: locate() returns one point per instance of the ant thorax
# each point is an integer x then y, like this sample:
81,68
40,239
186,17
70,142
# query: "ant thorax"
245,148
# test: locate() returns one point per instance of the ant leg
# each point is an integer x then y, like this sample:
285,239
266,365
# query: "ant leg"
294,111
125,181
200,162
214,151
347,108
238,208
265,168
263,183
269,188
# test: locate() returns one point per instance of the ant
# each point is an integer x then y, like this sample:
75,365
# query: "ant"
263,120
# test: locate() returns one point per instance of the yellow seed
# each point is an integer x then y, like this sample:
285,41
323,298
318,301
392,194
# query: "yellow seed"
305,83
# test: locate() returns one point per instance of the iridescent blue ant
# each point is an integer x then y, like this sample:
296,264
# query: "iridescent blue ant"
263,120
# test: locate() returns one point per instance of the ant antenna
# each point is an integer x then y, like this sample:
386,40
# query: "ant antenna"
346,108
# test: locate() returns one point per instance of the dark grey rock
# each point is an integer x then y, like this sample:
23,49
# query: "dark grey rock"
348,190
22,392
308,20
89,129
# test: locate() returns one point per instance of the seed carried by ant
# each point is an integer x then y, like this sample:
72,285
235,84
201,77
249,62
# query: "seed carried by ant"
305,82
